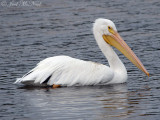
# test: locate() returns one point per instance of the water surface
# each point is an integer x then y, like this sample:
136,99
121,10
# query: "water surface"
29,34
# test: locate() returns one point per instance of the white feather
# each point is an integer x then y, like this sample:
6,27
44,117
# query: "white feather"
68,71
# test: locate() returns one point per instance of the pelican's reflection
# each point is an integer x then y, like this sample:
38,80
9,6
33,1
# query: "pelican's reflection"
115,101
95,102
118,102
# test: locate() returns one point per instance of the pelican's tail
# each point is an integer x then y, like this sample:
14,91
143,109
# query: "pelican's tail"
18,80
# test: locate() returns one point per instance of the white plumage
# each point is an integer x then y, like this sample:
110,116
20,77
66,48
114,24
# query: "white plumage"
67,71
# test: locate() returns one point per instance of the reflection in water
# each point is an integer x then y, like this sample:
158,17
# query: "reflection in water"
118,102
100,102
87,102
113,101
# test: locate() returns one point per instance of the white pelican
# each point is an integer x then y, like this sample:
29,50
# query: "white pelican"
66,71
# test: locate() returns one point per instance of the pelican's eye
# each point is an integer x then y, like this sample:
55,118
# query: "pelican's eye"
110,29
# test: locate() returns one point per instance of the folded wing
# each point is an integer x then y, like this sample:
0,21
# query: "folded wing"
67,71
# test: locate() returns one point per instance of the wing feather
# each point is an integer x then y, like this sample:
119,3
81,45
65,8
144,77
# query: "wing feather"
64,70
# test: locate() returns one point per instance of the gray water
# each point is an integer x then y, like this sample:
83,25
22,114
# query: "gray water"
28,34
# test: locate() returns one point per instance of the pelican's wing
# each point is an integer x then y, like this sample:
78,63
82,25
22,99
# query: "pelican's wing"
64,70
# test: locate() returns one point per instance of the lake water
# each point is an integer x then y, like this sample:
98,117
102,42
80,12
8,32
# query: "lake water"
28,34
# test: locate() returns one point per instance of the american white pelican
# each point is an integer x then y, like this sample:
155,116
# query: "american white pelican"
66,71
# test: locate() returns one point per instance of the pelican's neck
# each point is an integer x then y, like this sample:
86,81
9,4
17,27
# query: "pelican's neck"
114,62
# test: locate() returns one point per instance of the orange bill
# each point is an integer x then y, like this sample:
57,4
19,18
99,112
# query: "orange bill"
116,41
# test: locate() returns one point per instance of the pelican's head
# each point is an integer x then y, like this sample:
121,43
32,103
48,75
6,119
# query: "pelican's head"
107,30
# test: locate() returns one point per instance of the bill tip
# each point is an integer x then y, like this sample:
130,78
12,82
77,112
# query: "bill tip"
148,74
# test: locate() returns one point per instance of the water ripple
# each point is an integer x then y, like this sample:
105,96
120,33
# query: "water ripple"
30,34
